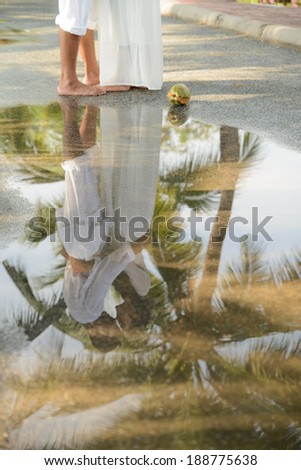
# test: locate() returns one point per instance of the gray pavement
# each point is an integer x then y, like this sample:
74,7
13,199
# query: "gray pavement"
268,13
271,23
234,80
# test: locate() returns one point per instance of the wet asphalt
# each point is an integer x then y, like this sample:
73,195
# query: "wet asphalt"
234,80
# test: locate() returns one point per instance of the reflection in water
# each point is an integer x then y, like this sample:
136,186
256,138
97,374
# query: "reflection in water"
229,165
118,177
44,430
166,342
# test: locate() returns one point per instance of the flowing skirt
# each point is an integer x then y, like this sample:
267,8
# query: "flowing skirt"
130,43
118,174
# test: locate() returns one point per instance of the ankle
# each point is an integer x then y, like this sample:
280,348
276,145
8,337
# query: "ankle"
92,72
68,81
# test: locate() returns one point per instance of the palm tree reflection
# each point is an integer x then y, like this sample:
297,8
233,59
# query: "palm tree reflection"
217,350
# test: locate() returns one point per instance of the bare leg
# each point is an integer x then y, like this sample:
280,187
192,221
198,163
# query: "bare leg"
88,54
69,83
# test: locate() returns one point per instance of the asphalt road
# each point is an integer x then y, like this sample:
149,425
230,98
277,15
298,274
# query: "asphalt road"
234,80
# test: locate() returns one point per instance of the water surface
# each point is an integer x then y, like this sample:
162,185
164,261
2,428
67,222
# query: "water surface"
204,352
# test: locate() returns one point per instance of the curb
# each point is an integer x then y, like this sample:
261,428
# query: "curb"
278,34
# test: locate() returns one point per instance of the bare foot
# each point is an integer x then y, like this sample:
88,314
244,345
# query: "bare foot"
117,88
77,88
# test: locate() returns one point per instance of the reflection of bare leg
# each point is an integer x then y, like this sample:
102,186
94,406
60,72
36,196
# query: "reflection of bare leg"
73,146
88,54
88,126
77,139
69,83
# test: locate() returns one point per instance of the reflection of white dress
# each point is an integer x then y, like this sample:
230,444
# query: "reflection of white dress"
120,173
130,43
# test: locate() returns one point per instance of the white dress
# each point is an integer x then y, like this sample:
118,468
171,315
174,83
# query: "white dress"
130,43
120,173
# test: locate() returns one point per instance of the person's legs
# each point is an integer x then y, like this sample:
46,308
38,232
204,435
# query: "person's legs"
73,21
87,47
88,54
69,82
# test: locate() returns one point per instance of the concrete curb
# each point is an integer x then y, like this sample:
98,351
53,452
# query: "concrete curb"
278,34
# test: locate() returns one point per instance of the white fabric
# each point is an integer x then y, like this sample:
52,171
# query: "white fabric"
111,301
76,16
138,275
130,43
130,38
82,207
85,293
130,150
120,173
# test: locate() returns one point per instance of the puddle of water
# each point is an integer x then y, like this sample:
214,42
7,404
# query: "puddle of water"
187,235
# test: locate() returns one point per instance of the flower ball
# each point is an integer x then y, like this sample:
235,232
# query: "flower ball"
179,94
